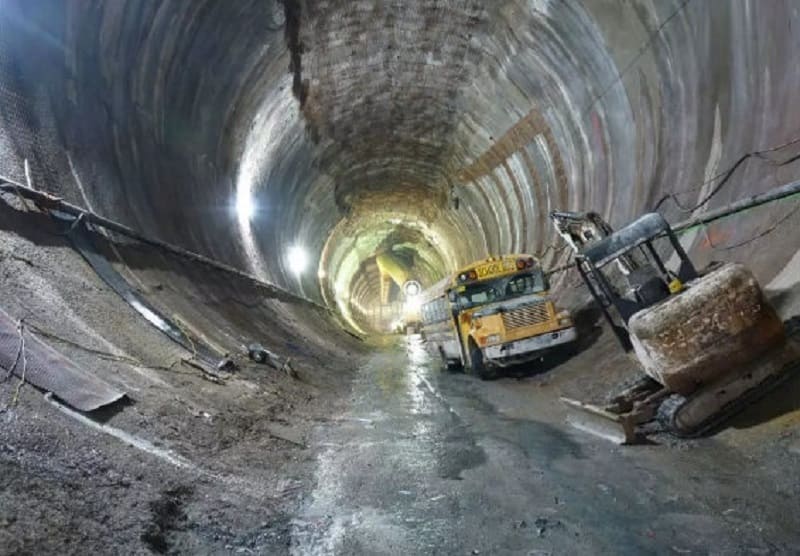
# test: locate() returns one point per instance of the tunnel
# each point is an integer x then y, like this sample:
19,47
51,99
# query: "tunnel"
302,160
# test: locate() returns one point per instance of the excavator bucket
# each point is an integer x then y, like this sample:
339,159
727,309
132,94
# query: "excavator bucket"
597,421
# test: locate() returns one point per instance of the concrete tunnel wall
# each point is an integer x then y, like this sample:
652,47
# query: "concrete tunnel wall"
356,123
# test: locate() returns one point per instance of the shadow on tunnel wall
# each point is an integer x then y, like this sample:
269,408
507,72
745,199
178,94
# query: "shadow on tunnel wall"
36,227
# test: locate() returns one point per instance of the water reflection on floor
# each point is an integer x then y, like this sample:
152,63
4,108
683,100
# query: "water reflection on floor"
422,463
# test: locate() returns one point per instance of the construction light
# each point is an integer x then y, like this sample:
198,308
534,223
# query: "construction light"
525,263
413,304
412,288
297,259
245,207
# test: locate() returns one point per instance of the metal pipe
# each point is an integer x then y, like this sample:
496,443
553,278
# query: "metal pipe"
50,202
776,194
787,190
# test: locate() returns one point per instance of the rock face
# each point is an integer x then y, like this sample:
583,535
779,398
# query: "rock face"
716,326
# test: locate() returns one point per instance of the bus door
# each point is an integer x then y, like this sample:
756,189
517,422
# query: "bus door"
452,298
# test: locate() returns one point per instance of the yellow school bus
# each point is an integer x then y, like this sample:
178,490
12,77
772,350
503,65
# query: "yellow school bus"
493,313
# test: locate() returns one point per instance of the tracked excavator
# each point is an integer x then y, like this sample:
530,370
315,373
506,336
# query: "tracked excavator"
709,343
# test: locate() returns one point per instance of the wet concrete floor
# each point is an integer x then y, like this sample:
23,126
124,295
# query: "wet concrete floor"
426,462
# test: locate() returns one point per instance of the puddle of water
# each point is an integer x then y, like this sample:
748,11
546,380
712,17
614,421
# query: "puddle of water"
398,438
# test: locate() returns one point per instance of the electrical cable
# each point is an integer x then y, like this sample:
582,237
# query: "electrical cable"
727,175
22,378
642,49
108,356
21,356
759,235
776,225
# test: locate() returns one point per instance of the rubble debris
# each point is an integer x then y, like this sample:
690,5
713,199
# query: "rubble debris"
168,514
18,258
262,355
207,373
542,525
226,364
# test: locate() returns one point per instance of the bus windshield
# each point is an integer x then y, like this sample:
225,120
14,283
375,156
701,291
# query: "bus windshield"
501,289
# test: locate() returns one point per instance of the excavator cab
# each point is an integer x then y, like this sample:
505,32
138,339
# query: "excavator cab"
640,279
708,344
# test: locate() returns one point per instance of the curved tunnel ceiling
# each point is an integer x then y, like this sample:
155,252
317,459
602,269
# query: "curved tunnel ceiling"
444,128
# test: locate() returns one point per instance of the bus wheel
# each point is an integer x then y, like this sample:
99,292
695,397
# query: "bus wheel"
455,364
445,361
477,365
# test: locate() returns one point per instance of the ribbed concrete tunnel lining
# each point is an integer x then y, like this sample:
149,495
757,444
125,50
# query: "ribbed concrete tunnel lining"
423,134
350,122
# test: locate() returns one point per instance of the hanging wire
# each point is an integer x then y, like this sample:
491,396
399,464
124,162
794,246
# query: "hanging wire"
756,237
22,377
21,356
727,175
704,226
632,62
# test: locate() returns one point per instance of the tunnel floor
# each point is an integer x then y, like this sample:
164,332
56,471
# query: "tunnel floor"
424,462
188,464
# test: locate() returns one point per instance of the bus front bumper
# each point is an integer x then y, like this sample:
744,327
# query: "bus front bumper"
529,348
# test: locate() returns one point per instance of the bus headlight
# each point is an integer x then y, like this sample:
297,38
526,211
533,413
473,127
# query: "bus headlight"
564,318
493,339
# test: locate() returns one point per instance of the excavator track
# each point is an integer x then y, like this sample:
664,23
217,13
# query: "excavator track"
670,409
